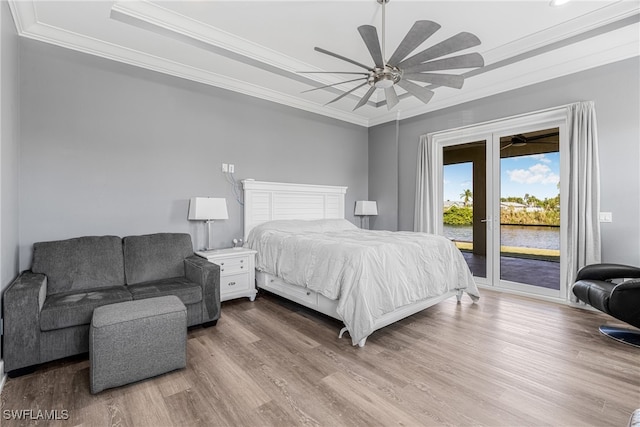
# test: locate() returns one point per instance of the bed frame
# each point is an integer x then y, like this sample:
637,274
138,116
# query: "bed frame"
268,201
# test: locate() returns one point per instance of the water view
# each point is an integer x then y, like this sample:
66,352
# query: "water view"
526,181
525,236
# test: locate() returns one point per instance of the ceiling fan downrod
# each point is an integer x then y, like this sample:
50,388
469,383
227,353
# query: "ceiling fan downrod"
384,20
387,76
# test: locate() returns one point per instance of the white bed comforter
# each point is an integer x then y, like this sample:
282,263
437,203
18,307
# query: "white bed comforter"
370,273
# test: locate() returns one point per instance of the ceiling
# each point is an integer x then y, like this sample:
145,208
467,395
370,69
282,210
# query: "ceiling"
257,47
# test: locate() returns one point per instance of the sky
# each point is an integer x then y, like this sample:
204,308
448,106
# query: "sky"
537,175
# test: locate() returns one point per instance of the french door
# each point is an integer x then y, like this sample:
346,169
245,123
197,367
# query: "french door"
500,189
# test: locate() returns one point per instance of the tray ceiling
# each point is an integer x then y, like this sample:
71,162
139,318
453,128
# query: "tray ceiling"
257,47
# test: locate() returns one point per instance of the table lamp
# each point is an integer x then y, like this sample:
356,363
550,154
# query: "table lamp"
208,209
365,208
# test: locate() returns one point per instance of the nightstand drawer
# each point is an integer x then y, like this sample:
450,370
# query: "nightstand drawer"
233,265
237,271
233,283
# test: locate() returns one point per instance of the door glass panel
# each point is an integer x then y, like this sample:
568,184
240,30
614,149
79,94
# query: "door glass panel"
530,208
464,204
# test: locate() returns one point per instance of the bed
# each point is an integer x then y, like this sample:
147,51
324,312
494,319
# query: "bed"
308,253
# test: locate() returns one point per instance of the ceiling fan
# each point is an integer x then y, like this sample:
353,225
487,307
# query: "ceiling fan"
522,140
398,71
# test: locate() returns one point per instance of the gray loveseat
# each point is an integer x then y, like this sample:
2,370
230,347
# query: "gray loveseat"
48,309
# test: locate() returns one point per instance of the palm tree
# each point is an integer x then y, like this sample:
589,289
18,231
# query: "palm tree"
466,196
534,201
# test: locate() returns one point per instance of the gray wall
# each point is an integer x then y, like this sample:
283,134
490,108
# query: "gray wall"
615,90
111,149
383,182
9,123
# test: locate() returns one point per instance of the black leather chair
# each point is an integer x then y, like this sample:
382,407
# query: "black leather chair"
601,286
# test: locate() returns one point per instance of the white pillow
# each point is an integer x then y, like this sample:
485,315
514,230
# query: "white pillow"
300,225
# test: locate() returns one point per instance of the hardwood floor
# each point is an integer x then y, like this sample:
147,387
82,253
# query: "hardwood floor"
506,361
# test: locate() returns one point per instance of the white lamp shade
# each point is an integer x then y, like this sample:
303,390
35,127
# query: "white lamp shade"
365,207
206,208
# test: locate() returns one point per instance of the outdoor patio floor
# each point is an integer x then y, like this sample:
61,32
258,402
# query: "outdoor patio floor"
534,272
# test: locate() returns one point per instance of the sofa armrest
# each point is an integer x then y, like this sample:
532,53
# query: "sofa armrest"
207,275
22,301
607,272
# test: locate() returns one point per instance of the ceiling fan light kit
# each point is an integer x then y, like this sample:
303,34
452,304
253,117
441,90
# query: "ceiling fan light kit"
401,72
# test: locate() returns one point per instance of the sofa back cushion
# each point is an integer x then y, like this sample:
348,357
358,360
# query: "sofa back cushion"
81,263
155,256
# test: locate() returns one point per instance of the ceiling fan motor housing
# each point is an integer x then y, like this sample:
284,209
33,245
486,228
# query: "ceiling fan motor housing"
384,77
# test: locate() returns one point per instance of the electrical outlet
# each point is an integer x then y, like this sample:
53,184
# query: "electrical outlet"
606,217
225,167
231,168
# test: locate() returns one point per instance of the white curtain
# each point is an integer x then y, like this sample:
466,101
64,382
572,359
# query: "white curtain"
583,230
426,191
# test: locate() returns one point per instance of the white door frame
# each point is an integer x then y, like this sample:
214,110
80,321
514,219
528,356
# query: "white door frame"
490,132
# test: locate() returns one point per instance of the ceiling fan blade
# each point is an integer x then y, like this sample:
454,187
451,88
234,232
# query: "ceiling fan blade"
334,84
469,60
365,98
332,72
418,91
420,31
453,44
335,55
449,80
345,94
391,96
370,36
536,137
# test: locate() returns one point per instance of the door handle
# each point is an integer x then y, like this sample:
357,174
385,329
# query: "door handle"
489,221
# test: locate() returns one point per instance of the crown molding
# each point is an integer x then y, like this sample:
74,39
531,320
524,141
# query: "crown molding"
157,19
29,27
24,14
606,15
173,22
547,44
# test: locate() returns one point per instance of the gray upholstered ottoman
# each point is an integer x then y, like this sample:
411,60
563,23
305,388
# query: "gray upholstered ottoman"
134,340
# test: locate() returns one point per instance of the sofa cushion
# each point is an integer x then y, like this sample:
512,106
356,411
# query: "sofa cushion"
74,308
80,263
188,292
155,256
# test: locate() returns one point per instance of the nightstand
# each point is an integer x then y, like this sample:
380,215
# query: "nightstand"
237,271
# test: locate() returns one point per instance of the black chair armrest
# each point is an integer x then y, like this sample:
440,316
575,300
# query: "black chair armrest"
23,300
624,302
628,285
207,275
607,272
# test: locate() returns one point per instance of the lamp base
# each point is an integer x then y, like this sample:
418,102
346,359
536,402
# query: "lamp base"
209,235
362,221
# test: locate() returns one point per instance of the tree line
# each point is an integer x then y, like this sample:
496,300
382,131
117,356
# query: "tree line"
548,212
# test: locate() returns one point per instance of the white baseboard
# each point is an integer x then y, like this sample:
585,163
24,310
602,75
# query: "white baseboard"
523,294
3,377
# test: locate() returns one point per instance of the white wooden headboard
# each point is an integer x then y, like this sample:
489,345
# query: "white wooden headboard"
268,201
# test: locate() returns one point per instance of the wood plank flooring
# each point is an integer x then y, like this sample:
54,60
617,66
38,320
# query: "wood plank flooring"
506,361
